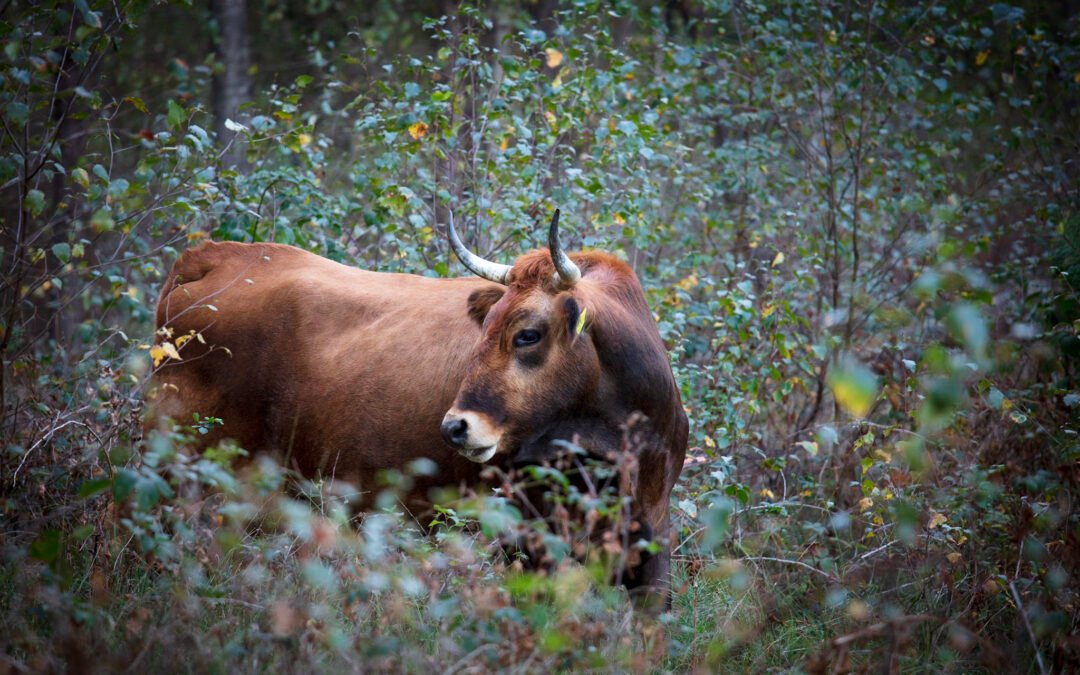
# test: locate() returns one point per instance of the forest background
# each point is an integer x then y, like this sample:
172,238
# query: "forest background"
857,223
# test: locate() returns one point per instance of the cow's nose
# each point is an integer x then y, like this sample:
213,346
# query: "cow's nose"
455,430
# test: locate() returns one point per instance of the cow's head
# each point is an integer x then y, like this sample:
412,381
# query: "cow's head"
535,363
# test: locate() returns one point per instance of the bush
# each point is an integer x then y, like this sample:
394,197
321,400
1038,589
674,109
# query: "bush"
856,225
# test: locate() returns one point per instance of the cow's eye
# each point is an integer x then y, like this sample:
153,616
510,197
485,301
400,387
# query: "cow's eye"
526,337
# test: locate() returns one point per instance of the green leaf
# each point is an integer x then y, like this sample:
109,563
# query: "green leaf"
92,19
123,484
102,221
18,112
176,114
35,202
81,177
89,488
966,324
46,547
717,520
118,187
302,81
62,251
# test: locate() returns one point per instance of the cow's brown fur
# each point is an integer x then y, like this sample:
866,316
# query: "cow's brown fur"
338,371
345,372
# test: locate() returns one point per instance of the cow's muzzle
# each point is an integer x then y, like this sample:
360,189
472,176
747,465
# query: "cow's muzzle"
471,434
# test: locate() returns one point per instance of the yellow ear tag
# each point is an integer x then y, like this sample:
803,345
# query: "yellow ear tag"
580,321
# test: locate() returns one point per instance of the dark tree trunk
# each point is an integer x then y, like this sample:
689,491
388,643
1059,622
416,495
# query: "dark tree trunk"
543,14
232,86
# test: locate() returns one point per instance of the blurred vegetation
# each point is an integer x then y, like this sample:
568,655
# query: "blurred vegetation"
858,224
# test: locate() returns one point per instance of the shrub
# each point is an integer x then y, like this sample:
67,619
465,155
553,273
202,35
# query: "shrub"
856,224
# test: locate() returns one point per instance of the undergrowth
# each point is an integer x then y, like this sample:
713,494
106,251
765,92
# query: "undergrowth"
856,225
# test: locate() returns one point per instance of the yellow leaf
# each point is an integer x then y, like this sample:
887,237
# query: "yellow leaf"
767,493
767,311
710,442
1076,77
170,351
304,139
688,282
619,220
936,520
554,57
858,610
981,57
954,557
157,354
778,259
865,503
418,130
181,340
854,385
504,143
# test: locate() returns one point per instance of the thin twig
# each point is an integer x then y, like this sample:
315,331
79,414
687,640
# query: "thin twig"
468,657
798,563
1027,627
43,439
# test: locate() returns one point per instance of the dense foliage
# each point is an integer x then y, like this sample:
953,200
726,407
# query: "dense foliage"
857,224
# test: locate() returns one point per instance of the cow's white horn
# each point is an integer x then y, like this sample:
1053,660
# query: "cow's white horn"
567,272
477,265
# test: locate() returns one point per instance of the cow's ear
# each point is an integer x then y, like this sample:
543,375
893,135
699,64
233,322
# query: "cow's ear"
576,317
481,301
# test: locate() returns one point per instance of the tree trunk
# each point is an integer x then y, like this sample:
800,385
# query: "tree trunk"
232,85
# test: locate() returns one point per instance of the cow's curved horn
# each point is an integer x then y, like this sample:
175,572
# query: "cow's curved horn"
477,265
565,269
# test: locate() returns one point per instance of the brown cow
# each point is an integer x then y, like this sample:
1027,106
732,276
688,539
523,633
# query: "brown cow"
344,373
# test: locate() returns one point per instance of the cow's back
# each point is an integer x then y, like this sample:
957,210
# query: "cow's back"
335,370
